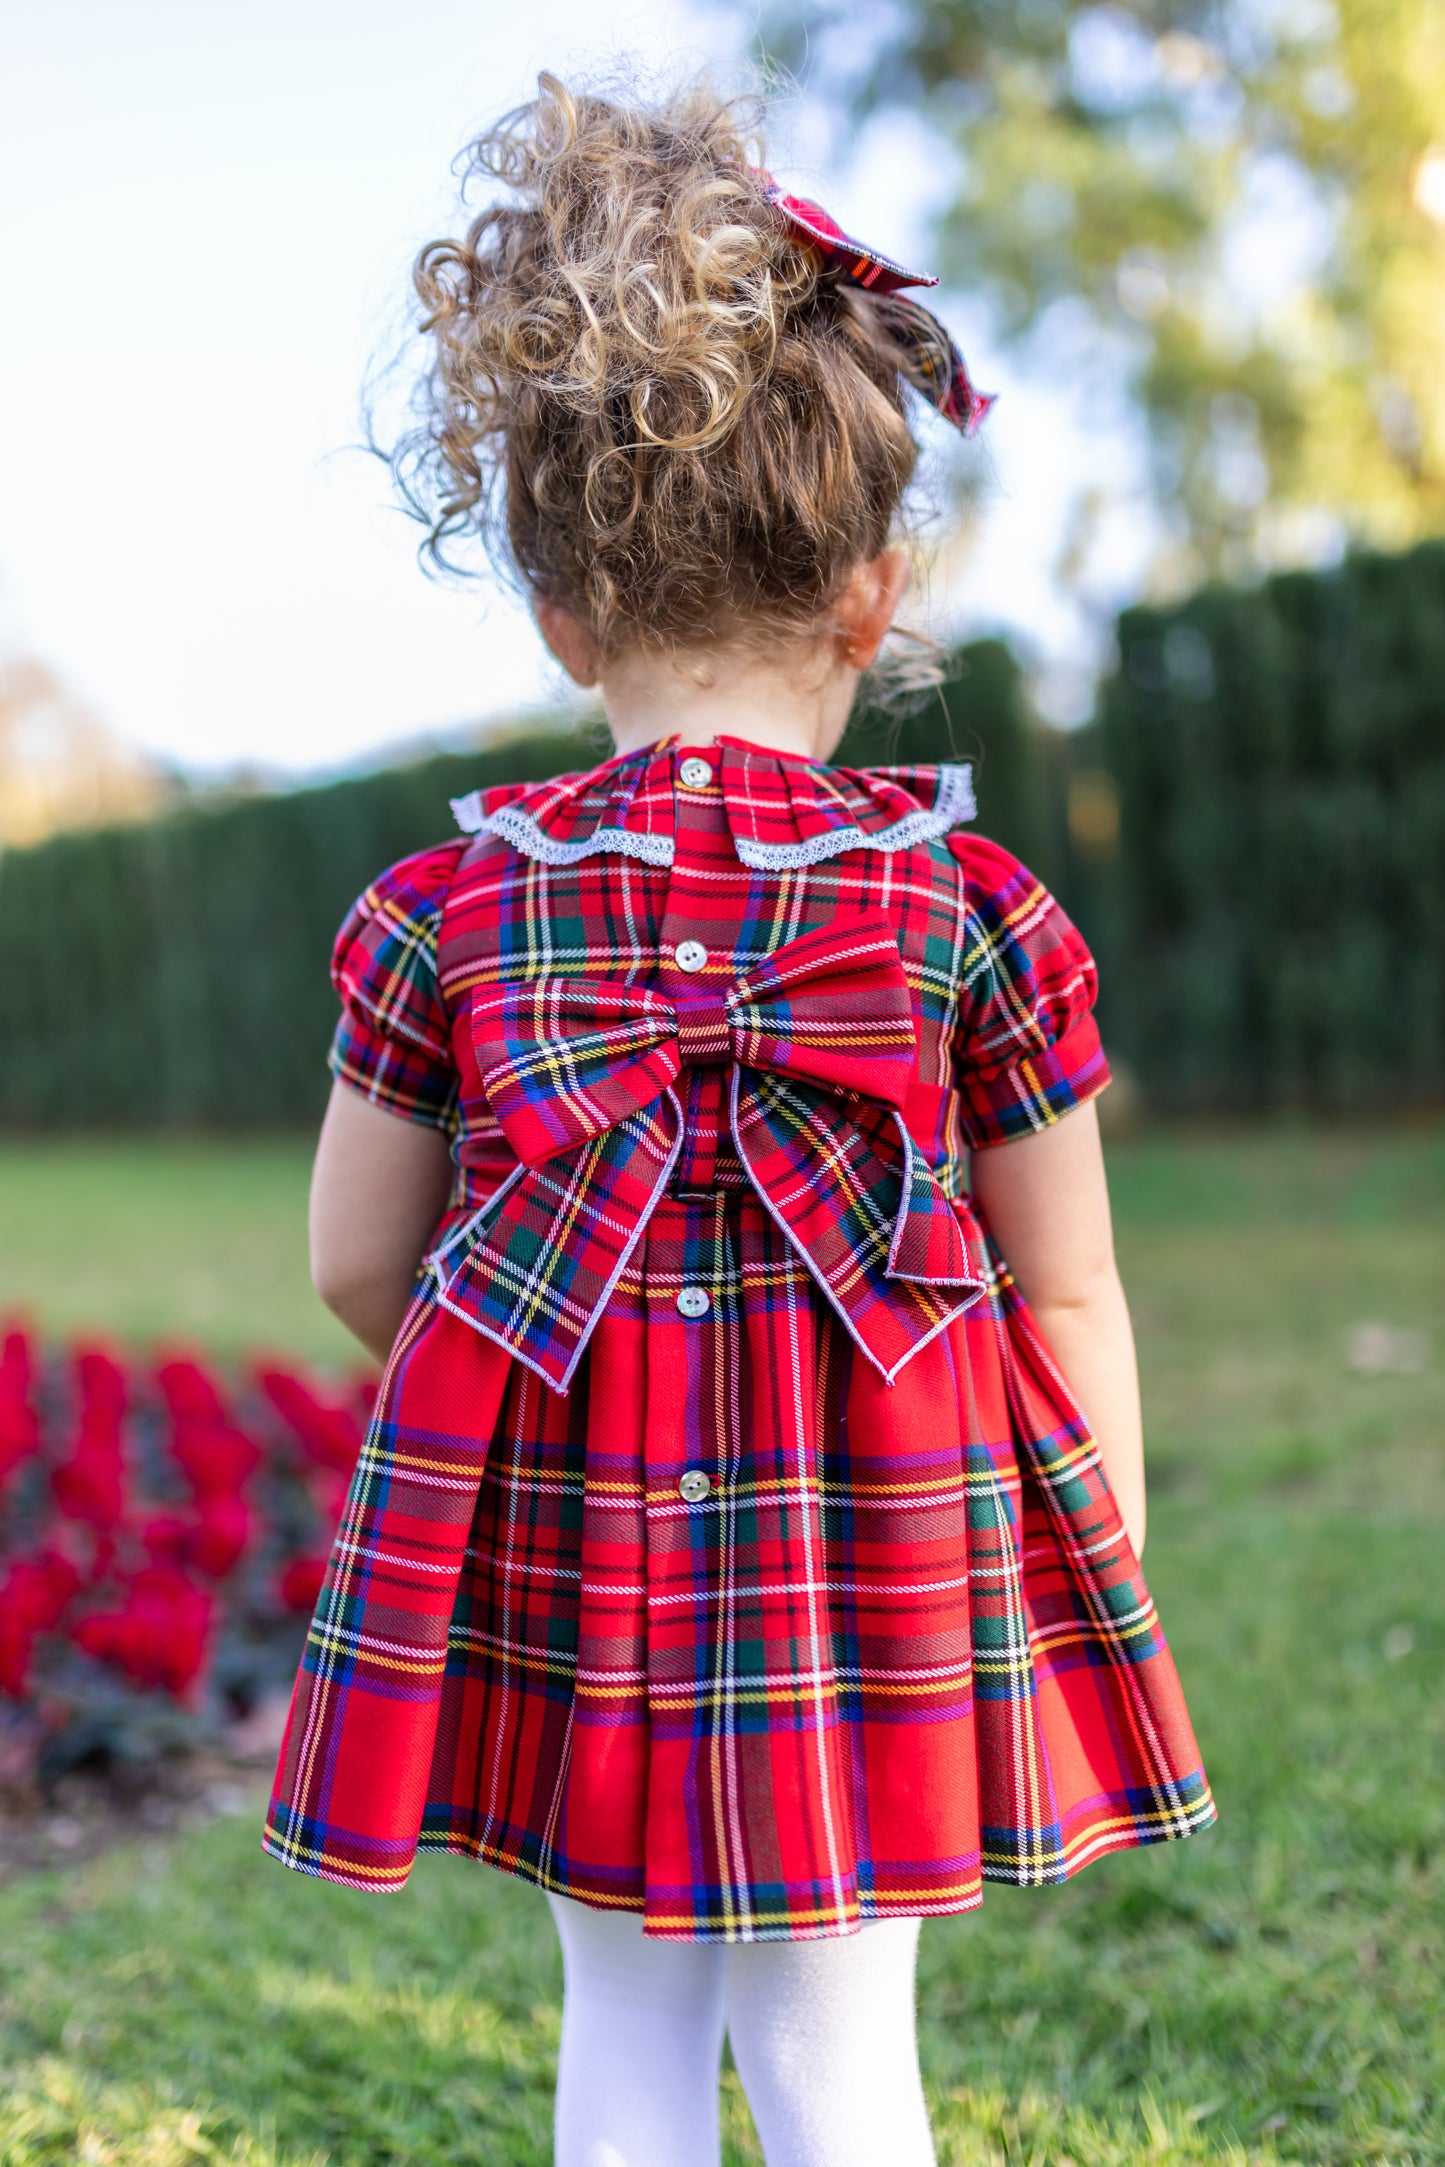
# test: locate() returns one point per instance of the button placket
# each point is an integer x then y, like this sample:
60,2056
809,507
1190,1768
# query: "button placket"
688,964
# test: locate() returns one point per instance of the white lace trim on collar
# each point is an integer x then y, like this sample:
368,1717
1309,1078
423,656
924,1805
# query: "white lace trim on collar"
954,805
518,828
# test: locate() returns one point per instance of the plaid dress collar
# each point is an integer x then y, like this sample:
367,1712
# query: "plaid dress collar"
782,810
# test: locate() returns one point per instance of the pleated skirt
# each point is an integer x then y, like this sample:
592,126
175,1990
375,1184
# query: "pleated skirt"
734,1634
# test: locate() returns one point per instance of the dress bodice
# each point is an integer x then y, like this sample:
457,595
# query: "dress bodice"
671,879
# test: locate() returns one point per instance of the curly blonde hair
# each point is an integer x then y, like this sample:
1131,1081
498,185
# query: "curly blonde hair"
646,401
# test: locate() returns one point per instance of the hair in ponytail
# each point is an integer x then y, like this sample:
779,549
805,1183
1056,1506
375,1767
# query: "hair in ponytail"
644,398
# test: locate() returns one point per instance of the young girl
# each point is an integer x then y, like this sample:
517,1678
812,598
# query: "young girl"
743,1551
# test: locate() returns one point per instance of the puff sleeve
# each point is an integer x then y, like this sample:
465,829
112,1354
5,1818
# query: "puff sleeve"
393,1043
1028,1049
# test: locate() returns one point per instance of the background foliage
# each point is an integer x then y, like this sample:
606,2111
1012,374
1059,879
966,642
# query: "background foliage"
163,1536
1229,212
1281,891
1251,835
177,971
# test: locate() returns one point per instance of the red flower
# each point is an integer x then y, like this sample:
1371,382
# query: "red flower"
216,1458
215,1462
90,1485
329,1433
166,1537
19,1423
33,1600
211,1541
222,1531
160,1637
148,1592
299,1583
190,1393
102,1385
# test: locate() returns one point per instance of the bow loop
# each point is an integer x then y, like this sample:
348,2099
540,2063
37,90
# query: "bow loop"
926,354
579,1073
562,1060
831,1006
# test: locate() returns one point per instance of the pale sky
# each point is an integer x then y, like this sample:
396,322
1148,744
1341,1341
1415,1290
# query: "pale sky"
208,214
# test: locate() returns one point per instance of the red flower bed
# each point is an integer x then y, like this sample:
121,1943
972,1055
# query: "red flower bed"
164,1533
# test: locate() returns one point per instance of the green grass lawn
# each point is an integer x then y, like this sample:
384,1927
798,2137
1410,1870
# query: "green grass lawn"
152,1240
1269,1991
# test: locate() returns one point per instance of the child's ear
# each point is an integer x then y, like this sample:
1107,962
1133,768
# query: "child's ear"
569,640
864,610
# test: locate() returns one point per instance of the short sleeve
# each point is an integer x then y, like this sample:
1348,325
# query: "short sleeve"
1029,1048
393,1043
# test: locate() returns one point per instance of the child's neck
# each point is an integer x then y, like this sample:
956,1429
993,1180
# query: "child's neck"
801,708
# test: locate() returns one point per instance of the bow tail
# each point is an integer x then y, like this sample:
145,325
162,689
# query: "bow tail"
534,1269
862,1208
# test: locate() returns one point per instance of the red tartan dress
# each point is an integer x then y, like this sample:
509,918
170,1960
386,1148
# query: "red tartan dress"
727,1547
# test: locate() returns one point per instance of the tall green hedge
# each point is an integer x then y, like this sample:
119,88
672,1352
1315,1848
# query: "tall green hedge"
177,972
1280,760
1271,926
978,714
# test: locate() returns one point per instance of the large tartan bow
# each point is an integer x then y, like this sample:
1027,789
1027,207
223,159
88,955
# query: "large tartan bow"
579,1073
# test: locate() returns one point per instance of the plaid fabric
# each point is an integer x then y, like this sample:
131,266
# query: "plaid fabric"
780,813
393,1043
864,1212
899,1646
932,362
1029,984
564,1061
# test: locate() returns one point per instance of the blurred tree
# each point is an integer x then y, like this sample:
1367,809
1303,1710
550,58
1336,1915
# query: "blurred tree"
1237,205
59,766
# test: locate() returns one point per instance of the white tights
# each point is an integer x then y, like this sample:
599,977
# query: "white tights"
822,2033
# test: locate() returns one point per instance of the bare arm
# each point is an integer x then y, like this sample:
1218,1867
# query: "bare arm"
378,1188
1047,1205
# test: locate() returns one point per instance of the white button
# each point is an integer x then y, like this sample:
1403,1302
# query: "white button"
694,1486
694,1301
689,955
696,774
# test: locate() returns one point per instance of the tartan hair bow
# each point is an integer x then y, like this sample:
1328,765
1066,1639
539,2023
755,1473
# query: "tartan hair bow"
580,1073
927,355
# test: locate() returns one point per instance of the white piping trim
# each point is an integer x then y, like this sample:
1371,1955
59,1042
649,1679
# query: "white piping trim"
901,1220
644,1217
954,804
518,828
471,1229
497,1336
920,1279
889,1376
